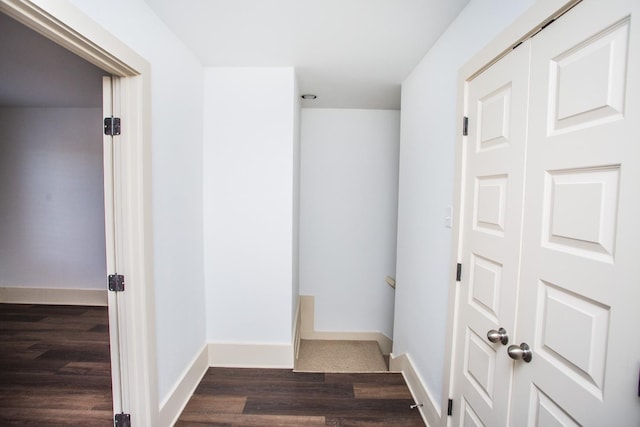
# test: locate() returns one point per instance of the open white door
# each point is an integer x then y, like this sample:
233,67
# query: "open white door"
110,109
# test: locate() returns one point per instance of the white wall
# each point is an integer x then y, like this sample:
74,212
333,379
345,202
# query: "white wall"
429,96
177,100
52,198
349,199
249,204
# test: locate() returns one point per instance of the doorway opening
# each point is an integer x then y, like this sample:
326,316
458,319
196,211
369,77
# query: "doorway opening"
132,312
53,254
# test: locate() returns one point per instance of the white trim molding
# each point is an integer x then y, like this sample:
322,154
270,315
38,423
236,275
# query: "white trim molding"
251,355
20,295
429,411
308,331
176,401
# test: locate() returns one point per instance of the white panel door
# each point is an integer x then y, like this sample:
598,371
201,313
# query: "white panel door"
579,301
494,157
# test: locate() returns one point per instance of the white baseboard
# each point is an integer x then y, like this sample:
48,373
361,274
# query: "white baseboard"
15,295
308,331
429,411
174,404
232,355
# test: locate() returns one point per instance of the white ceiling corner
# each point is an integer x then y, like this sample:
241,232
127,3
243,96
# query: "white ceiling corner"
351,53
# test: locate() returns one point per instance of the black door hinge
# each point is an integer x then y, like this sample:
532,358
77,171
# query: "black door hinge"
112,126
450,408
465,126
116,282
458,272
122,420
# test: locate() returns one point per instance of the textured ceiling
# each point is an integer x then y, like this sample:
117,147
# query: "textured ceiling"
351,53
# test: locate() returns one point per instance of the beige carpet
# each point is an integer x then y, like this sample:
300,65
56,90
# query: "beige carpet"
340,356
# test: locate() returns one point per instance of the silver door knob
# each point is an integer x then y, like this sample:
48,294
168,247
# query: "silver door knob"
521,352
498,336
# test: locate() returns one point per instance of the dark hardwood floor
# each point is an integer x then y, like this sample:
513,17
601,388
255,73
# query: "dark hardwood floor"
54,366
277,397
55,371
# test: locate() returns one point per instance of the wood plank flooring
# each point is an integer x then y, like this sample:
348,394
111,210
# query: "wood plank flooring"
55,371
279,397
54,366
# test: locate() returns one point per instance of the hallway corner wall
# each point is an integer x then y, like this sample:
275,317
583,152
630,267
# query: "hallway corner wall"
249,208
176,155
349,188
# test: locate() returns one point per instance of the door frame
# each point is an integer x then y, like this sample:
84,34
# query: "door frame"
527,25
65,25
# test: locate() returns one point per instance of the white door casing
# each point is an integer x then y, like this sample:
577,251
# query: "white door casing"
568,284
494,177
